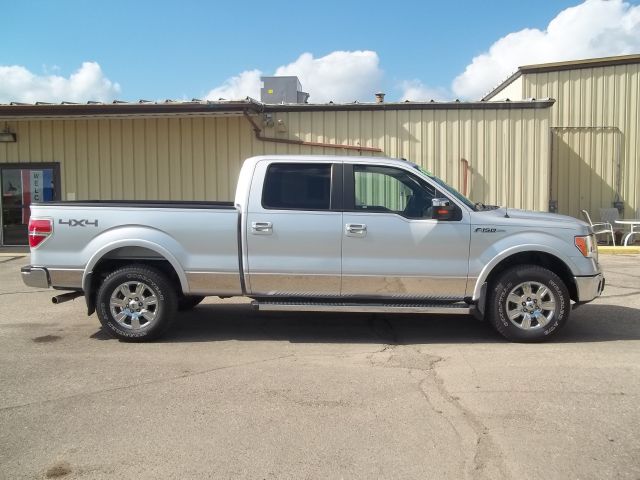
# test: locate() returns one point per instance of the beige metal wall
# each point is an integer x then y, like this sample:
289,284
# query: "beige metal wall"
199,158
604,102
513,91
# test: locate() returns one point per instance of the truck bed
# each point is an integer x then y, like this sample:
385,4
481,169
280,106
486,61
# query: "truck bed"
199,239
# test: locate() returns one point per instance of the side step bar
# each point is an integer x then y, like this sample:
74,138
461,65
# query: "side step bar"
459,308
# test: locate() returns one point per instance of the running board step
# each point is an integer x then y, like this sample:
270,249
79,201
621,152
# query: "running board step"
459,308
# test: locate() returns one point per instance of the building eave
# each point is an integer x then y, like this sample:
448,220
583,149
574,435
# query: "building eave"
120,109
181,109
503,105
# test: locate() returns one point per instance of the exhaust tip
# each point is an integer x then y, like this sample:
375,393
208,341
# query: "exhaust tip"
65,297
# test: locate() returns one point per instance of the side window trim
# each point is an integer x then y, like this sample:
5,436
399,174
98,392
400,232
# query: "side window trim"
348,187
337,187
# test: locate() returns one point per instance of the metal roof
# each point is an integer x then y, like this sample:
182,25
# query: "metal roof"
560,66
121,107
224,107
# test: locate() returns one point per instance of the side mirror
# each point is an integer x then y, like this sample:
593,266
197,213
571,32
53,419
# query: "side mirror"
442,209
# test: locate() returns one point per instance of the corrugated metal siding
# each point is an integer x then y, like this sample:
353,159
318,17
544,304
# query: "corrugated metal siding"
513,91
200,157
584,159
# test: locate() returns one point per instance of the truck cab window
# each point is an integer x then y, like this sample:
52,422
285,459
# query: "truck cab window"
388,189
297,186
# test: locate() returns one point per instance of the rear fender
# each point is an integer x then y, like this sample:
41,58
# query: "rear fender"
145,237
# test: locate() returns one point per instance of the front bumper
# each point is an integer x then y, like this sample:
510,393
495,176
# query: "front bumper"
589,287
37,277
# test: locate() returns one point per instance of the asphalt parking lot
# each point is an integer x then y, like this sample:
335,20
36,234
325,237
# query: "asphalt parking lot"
236,394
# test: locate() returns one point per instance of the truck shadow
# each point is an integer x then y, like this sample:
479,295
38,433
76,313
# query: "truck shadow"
209,322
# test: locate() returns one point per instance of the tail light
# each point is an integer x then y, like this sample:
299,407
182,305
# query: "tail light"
39,230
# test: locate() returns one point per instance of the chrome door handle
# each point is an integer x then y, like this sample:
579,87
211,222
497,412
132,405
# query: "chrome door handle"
262,228
355,229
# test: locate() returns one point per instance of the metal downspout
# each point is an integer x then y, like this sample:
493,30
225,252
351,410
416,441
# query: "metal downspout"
258,133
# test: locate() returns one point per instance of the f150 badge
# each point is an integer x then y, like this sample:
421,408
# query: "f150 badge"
488,230
72,222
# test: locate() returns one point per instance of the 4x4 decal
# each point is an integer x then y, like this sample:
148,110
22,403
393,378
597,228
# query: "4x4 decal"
72,222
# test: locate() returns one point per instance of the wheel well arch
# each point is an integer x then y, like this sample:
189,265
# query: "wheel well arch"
544,259
124,256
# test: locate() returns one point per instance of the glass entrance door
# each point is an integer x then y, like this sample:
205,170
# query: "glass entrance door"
22,185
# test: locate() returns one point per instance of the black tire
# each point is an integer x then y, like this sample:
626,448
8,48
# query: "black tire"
512,280
187,302
157,306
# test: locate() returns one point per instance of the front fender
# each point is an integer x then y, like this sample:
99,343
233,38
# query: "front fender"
486,261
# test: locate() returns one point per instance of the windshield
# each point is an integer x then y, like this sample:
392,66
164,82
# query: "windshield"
450,189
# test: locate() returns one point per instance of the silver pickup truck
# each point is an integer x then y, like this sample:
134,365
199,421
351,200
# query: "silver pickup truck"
317,233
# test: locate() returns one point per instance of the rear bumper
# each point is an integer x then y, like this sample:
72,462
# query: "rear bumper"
61,278
589,288
37,277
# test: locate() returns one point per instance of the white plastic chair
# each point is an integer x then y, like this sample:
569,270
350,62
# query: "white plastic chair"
601,227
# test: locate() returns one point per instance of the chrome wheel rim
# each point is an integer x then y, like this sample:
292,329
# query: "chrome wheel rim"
134,305
530,305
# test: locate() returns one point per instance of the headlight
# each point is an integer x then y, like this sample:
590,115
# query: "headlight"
587,245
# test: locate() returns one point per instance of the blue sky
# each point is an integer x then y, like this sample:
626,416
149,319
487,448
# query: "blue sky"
161,49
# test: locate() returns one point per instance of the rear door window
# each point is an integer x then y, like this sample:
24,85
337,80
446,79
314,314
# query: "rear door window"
297,186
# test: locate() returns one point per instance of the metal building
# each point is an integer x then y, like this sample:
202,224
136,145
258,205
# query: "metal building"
579,152
496,152
594,158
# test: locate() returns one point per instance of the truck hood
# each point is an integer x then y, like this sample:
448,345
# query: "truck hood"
527,217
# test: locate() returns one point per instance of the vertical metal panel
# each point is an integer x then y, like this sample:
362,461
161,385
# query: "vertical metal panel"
585,158
151,158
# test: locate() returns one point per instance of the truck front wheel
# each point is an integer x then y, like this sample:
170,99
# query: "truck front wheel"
528,303
136,303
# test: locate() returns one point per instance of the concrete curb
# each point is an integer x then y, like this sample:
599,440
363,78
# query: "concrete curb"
632,250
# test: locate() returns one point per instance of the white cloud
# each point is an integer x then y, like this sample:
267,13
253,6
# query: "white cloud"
416,91
595,28
340,76
87,83
246,84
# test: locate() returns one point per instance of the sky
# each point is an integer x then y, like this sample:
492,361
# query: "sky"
343,51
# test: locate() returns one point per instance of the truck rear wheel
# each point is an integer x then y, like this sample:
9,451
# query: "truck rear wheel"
528,303
136,303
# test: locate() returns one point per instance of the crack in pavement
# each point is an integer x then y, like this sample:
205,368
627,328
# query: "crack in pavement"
487,460
143,384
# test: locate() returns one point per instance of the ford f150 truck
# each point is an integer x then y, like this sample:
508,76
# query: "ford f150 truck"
317,233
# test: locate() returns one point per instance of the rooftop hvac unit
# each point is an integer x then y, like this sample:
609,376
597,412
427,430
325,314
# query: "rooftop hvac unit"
282,90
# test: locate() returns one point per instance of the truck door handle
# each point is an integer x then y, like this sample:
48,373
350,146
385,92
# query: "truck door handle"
355,229
262,228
